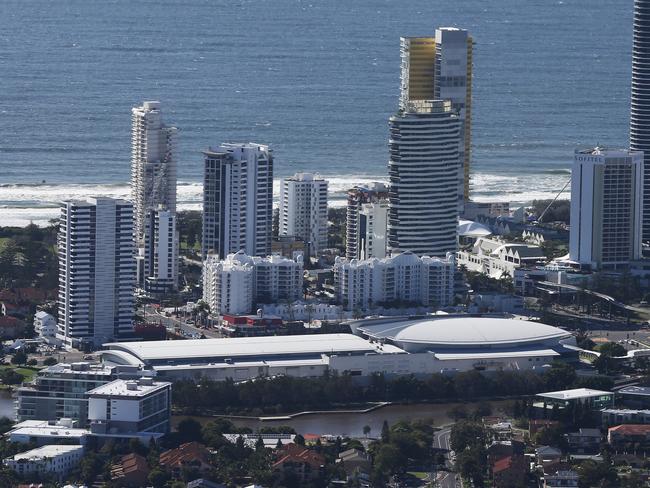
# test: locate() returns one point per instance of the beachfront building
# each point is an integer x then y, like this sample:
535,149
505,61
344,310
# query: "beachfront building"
303,210
160,257
153,164
366,203
97,271
237,200
440,68
423,170
606,208
404,279
640,106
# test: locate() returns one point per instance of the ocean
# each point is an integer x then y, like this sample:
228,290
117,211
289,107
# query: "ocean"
314,79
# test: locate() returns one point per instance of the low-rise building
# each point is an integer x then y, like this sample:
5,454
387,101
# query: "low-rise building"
617,416
131,470
594,399
562,479
585,441
307,311
58,391
548,455
238,282
509,471
11,327
298,461
57,460
191,455
125,407
635,396
45,326
403,279
357,464
249,325
270,440
629,437
44,432
498,259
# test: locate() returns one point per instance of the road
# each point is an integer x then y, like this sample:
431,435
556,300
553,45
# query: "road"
445,479
173,323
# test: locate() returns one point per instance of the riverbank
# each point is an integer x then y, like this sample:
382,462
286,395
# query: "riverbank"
352,423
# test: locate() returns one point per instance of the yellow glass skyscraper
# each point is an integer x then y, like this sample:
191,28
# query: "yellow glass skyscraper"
440,68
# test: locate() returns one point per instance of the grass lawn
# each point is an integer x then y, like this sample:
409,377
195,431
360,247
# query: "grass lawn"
418,474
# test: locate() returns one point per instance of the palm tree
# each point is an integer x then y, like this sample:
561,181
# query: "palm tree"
202,310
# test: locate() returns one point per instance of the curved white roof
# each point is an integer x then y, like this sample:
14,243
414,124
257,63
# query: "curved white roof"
476,331
469,228
266,347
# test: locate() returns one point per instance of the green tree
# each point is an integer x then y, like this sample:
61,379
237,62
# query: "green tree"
10,377
467,434
389,459
19,357
49,361
189,430
471,464
158,478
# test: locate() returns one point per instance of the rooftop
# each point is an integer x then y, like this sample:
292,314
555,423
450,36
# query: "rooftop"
630,429
44,428
454,356
46,452
129,388
461,330
575,394
240,347
635,390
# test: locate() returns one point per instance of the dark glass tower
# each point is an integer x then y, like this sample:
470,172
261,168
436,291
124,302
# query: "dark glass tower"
640,110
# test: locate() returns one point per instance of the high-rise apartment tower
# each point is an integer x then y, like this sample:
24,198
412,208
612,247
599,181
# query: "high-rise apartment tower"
440,68
640,107
303,210
153,164
237,200
423,170
96,271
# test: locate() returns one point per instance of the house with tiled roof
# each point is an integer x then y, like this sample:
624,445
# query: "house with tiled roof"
11,327
299,461
509,471
131,470
629,436
191,455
